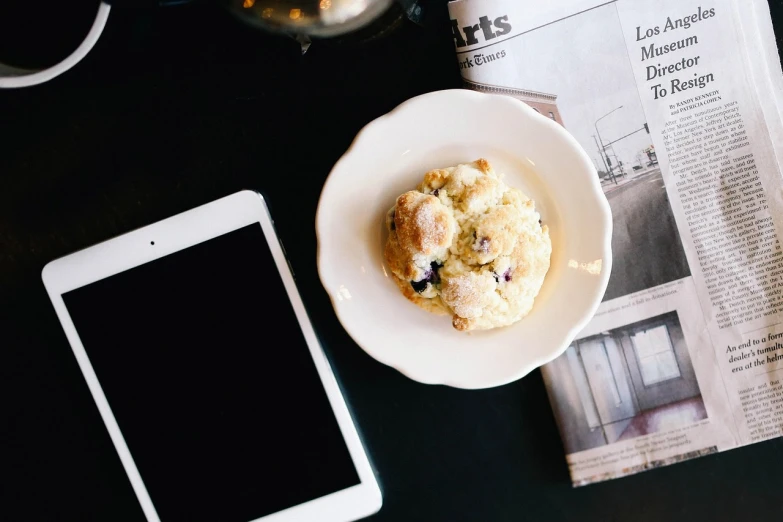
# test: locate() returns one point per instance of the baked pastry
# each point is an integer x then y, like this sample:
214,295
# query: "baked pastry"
467,245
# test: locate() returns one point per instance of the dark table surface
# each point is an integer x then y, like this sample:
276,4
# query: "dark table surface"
177,107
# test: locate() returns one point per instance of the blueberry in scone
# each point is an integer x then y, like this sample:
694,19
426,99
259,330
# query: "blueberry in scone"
467,245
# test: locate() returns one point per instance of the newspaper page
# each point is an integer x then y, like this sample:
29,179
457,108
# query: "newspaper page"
765,66
677,103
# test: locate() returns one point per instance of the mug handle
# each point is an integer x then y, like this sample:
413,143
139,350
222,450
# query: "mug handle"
14,78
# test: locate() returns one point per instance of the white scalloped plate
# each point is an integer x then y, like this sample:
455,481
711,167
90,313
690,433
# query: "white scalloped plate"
390,156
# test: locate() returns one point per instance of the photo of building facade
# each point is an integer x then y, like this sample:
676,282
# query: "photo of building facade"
541,102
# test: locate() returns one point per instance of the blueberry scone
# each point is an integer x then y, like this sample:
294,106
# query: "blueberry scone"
464,244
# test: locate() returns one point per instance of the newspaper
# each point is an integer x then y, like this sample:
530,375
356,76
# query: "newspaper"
678,103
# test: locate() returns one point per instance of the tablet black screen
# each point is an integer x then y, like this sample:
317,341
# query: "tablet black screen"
207,372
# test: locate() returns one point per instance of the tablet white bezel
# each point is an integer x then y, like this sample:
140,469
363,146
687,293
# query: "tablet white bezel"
172,235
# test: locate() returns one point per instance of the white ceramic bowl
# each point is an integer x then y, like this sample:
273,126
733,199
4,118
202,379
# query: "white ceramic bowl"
389,157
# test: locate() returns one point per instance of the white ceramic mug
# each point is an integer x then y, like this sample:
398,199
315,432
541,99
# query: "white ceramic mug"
11,77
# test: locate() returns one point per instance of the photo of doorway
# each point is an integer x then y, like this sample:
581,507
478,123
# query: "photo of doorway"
624,383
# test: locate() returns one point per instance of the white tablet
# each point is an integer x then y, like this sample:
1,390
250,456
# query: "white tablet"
205,368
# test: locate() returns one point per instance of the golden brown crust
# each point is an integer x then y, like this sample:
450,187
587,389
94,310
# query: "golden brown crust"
461,324
478,191
423,224
483,165
396,258
467,294
433,179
